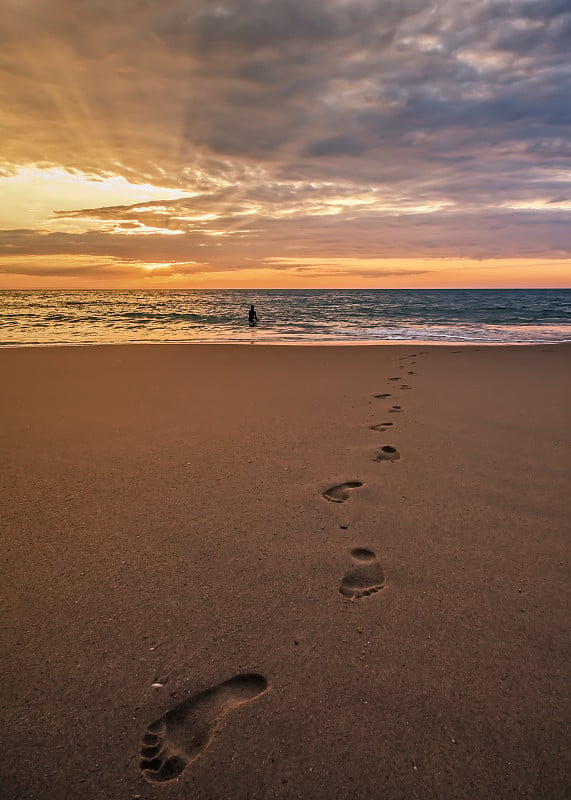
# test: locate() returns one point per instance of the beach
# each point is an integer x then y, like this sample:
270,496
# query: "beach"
219,586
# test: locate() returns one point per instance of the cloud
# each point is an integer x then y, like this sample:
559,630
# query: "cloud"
344,145
80,267
373,126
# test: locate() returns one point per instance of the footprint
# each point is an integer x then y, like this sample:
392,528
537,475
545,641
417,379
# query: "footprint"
395,409
404,386
410,373
381,426
177,739
387,453
381,396
365,577
339,494
395,379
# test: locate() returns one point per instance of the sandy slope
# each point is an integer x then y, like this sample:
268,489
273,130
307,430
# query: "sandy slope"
163,522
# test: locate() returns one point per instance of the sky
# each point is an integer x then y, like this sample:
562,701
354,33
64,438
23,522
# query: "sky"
285,143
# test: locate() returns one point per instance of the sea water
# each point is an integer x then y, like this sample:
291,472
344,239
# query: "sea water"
286,316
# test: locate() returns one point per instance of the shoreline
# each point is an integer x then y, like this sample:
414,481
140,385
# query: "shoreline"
364,343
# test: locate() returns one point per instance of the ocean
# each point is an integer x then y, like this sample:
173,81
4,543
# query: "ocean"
286,316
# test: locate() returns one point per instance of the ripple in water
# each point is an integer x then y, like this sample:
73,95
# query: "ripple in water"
295,316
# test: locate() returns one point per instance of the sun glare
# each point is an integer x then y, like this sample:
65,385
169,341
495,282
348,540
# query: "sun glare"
30,195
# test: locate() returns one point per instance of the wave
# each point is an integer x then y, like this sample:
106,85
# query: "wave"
510,316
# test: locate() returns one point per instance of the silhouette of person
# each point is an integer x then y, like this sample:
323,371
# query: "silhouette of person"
252,316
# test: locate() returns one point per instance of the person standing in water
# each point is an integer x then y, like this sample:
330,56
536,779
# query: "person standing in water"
252,316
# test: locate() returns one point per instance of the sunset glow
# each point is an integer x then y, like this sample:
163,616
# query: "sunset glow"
269,144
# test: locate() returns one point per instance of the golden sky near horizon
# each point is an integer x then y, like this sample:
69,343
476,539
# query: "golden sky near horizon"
285,143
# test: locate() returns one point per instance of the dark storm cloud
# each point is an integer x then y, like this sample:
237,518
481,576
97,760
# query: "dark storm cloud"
335,146
305,69
253,25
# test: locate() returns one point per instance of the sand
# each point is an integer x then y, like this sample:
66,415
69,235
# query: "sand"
188,616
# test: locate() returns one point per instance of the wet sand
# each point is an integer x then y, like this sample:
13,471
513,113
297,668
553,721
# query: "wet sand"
344,569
